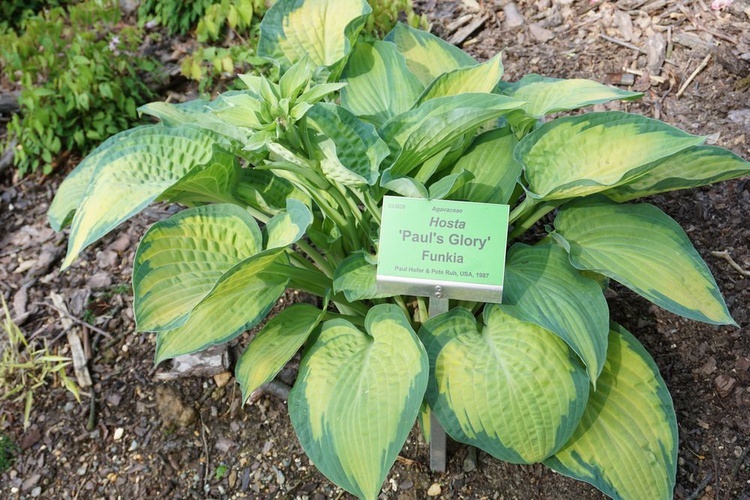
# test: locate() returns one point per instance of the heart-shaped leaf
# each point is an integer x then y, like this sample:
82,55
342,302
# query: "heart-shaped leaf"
357,396
511,388
478,78
626,443
644,249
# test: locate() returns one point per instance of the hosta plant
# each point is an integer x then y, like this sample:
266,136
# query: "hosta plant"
283,185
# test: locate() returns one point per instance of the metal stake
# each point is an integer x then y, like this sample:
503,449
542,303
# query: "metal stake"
438,304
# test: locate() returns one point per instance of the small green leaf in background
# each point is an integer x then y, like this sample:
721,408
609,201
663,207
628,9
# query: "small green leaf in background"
626,443
644,249
427,56
692,167
275,345
512,389
372,68
542,287
357,396
584,154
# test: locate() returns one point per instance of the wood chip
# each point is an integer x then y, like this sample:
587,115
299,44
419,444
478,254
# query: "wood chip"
79,360
467,30
724,385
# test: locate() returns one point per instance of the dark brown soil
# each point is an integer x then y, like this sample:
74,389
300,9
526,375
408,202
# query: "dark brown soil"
190,438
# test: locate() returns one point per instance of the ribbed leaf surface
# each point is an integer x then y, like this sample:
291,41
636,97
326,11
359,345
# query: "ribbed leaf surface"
626,443
511,388
644,249
478,78
357,397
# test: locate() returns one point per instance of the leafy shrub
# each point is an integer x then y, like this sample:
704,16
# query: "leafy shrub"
80,80
312,156
177,16
13,12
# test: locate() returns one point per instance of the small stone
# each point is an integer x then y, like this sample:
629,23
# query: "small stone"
121,244
232,478
30,482
36,491
222,379
434,490
513,19
31,438
171,409
118,433
99,280
540,34
406,484
224,445
724,385
470,462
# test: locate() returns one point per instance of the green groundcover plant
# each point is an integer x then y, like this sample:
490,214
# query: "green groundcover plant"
544,377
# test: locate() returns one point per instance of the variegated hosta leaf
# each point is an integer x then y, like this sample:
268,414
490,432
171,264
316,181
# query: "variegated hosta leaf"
357,397
644,249
405,186
496,172
213,183
372,68
427,56
70,193
542,287
264,190
511,388
584,154
127,179
355,277
626,443
325,30
544,95
692,167
350,150
419,134
199,113
449,184
289,226
180,259
478,78
241,298
274,346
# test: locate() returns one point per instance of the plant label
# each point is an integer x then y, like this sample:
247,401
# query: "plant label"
442,249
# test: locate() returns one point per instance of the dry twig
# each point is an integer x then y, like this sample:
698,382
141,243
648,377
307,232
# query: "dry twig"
79,321
692,76
725,255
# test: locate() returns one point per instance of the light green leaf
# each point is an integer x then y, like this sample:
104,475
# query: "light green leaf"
127,179
512,389
542,287
72,190
626,443
198,113
275,345
294,81
644,249
350,150
545,95
357,397
691,167
496,172
478,78
448,184
405,186
372,68
420,133
289,226
241,298
324,30
214,182
427,56
585,154
355,277
180,259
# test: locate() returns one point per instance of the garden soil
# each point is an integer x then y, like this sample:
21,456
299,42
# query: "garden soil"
138,434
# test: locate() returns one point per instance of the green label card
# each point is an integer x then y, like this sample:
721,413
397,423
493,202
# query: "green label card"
454,248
